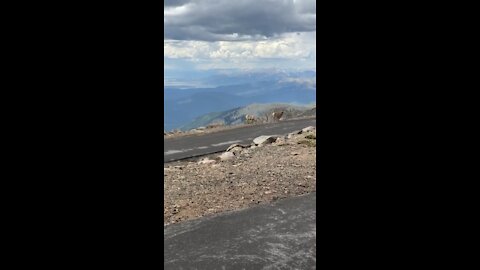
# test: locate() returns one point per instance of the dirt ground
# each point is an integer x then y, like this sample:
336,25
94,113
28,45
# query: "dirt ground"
254,175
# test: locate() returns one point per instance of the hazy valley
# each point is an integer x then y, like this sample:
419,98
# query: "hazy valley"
226,96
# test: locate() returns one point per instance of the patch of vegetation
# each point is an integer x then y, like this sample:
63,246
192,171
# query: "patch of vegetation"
308,143
311,137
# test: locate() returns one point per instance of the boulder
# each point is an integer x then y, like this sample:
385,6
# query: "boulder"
226,156
266,139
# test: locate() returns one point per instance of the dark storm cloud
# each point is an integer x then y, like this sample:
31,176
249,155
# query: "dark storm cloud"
173,3
216,20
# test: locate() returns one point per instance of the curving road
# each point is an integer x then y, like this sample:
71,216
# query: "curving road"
190,146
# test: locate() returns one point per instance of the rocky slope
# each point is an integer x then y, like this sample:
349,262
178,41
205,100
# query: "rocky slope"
261,111
269,169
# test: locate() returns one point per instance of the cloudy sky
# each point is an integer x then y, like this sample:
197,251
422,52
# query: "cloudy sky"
239,34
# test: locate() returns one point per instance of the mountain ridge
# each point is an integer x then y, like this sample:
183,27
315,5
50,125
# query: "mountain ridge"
262,112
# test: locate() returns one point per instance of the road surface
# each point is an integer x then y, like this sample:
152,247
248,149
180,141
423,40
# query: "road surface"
190,146
281,235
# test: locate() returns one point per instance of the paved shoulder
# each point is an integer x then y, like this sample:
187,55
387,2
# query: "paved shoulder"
281,235
184,147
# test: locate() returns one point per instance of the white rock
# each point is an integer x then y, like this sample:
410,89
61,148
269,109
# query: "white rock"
226,156
262,140
206,161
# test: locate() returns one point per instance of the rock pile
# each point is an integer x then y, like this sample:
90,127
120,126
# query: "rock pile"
304,136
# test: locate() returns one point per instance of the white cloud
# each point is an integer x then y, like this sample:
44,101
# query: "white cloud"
244,34
289,46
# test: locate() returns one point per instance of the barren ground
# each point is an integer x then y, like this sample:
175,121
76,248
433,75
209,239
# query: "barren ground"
256,175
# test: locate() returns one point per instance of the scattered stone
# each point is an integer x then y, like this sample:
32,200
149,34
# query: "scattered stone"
308,129
280,140
266,175
226,156
207,161
236,145
293,134
309,143
266,139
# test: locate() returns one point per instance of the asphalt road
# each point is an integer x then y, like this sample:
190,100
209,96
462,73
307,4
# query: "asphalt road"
281,235
189,146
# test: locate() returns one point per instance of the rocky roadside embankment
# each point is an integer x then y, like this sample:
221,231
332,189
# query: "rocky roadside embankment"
271,168
215,128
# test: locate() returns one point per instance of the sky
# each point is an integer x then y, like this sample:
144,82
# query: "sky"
205,35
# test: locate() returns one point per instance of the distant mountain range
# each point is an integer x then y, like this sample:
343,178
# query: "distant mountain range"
231,91
237,116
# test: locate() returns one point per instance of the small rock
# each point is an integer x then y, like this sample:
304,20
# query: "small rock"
308,129
266,139
233,146
294,133
207,161
235,150
226,156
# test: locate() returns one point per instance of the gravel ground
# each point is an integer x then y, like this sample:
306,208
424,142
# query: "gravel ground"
255,175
